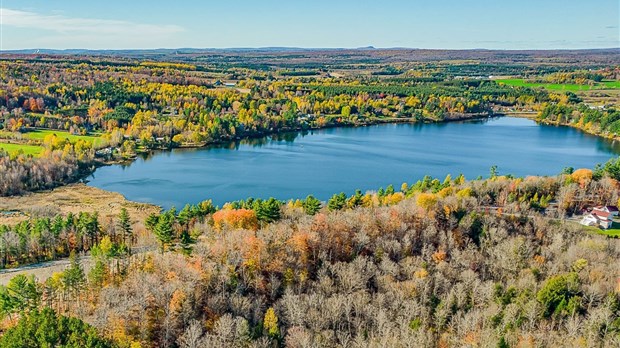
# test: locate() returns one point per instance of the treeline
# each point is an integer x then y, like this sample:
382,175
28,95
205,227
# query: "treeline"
569,195
25,173
38,327
575,77
599,121
162,105
299,73
49,238
435,263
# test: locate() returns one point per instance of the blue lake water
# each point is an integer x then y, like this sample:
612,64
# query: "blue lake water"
324,162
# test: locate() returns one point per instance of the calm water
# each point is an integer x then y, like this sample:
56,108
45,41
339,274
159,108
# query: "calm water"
344,159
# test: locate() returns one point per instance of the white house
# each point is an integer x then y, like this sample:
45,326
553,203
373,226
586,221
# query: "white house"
598,219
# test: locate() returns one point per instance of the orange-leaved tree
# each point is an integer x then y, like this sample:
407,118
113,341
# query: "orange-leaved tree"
235,218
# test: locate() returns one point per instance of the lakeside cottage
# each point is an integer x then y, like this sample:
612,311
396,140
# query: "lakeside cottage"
600,217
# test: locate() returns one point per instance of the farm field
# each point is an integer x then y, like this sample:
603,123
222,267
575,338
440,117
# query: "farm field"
32,138
559,86
40,134
33,150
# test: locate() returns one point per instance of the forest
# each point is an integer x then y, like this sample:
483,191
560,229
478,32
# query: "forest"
107,110
442,262
489,262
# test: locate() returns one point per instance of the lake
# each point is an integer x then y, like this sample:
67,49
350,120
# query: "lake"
324,162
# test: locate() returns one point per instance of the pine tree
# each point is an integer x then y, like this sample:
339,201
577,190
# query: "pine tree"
267,211
185,215
337,202
124,224
186,242
73,278
151,221
45,328
21,294
311,205
98,273
163,230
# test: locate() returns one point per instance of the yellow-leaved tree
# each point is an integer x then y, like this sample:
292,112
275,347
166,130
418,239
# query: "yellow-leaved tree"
270,323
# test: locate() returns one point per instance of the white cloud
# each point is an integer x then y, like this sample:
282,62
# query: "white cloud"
71,32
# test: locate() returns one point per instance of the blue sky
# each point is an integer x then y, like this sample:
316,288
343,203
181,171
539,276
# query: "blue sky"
457,24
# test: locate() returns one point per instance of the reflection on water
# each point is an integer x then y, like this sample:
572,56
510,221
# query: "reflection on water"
322,162
290,137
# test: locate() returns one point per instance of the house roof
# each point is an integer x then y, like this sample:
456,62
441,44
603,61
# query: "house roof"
609,208
600,213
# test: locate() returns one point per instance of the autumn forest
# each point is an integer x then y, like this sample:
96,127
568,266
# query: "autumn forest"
493,261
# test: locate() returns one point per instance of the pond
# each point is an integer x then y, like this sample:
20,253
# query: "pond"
328,161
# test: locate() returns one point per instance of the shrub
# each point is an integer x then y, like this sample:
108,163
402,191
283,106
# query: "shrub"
560,295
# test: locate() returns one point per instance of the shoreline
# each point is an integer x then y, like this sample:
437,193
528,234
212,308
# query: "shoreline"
85,173
263,134
533,116
371,122
82,179
73,198
570,125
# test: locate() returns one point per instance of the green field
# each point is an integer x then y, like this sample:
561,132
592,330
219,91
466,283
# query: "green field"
559,86
37,136
613,232
27,149
40,134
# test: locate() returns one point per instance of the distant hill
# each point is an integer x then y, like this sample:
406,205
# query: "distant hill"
313,57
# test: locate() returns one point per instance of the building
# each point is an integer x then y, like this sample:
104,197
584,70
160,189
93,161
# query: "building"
598,219
609,209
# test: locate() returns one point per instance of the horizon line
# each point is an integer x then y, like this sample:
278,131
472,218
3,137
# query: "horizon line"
368,48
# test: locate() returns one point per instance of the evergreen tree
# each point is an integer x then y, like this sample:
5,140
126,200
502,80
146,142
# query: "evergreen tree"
268,211
73,277
124,224
185,215
151,221
186,241
311,205
163,230
493,172
20,295
337,201
47,329
98,272
355,200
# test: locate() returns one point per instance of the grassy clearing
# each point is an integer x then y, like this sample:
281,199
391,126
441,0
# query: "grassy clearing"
26,149
35,140
40,134
559,86
611,84
613,232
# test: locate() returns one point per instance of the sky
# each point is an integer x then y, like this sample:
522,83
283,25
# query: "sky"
443,24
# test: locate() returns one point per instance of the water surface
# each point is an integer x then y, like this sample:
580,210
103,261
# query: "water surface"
327,161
